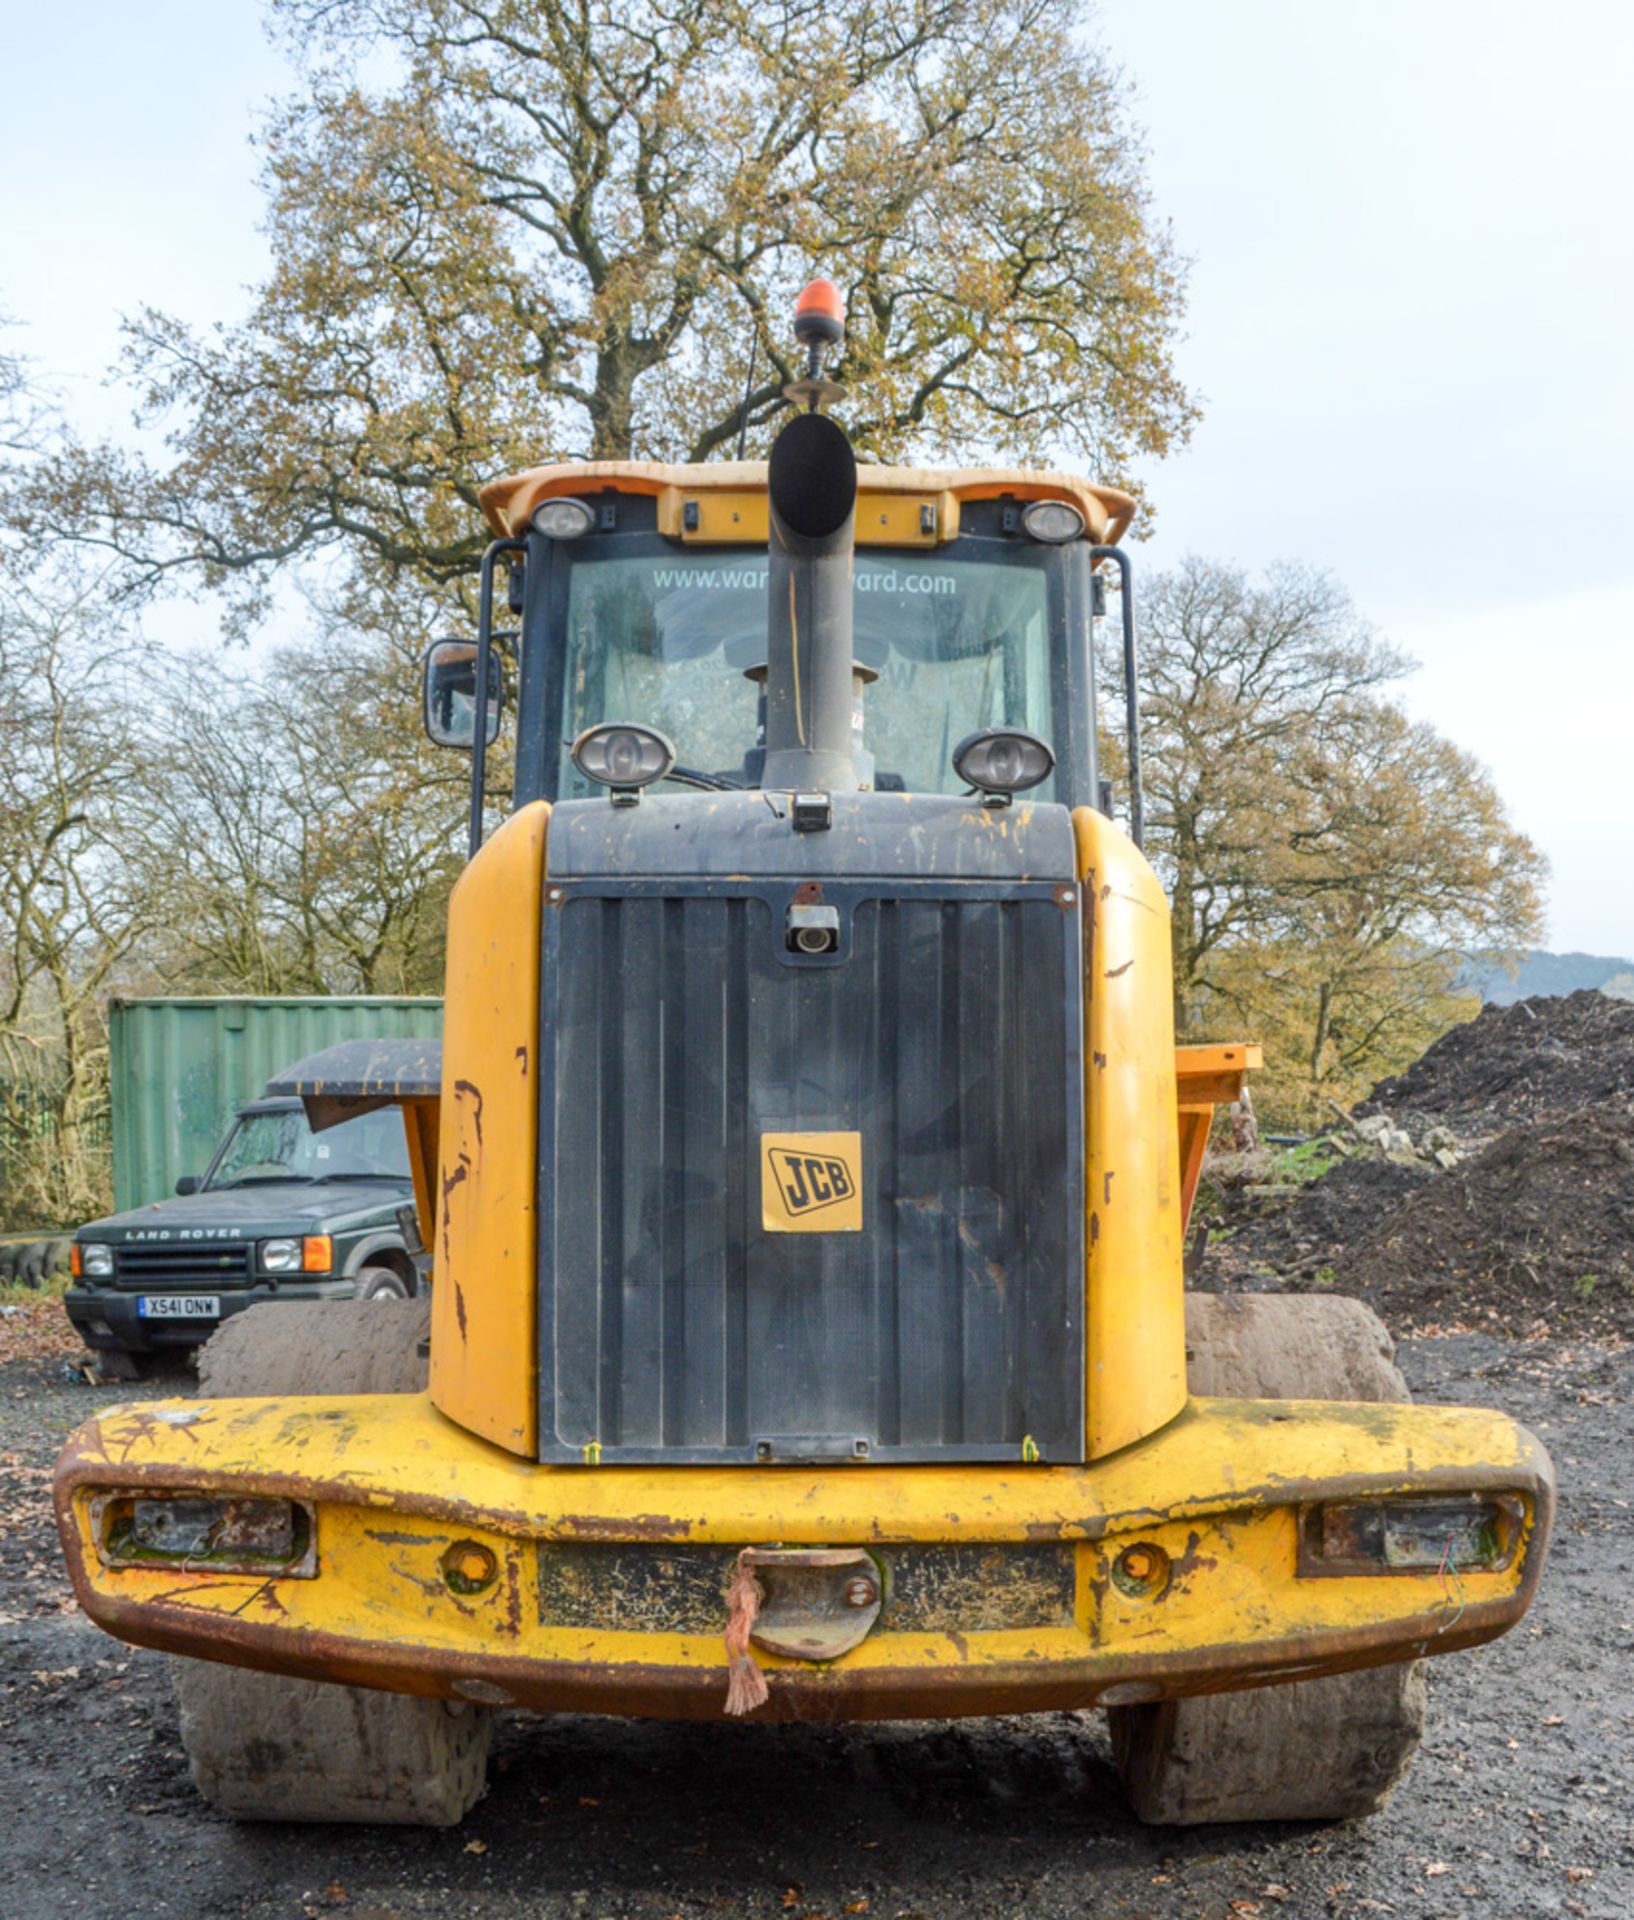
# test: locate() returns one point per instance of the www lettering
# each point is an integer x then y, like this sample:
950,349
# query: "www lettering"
753,579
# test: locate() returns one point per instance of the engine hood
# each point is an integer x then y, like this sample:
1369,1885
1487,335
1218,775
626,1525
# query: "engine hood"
259,1212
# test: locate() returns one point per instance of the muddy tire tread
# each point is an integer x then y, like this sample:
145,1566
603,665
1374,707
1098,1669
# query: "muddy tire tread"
262,1747
1333,1748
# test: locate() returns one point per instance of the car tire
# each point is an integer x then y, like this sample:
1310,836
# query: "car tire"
382,1283
116,1367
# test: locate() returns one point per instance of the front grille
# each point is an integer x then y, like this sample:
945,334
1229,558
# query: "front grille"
674,1326
189,1263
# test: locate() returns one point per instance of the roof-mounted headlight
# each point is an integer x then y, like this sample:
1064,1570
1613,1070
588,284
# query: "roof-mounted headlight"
1053,521
623,757
1001,761
563,518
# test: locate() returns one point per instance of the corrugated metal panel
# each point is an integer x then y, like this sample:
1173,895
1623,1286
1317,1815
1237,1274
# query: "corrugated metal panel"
673,1326
180,1068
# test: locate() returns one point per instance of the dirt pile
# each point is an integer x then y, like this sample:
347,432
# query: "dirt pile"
1309,1236
1539,1227
1520,1063
1530,1231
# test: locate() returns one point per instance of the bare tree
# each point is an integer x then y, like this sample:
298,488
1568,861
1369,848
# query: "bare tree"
73,908
310,832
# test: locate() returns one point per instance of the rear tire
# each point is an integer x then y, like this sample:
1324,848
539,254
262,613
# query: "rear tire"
1333,1748
261,1747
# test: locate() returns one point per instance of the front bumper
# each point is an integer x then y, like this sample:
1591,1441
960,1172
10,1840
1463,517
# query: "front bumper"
108,1318
1005,1594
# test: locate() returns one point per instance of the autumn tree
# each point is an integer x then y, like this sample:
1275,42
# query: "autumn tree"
566,228
1330,861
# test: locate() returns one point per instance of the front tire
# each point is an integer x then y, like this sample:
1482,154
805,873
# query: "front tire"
261,1747
1333,1748
382,1283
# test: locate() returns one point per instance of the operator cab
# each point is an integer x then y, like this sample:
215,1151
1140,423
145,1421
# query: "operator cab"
660,641
645,601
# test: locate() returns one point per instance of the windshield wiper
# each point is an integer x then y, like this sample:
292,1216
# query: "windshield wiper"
261,1180
402,1178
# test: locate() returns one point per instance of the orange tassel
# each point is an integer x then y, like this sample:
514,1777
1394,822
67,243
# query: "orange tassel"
745,1683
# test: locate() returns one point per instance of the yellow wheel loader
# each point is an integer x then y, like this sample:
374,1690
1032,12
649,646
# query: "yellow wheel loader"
804,1179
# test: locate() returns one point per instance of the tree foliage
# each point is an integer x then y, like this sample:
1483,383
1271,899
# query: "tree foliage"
568,227
1330,861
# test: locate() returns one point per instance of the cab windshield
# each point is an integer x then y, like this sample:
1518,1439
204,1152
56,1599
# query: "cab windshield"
666,637
278,1145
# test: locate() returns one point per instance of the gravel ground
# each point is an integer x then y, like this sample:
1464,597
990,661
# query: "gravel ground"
1519,1803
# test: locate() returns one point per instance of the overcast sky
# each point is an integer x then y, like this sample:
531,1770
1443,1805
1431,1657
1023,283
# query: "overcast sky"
1412,322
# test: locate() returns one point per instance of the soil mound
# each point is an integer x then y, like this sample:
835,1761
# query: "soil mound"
1537,1227
1330,1216
1518,1063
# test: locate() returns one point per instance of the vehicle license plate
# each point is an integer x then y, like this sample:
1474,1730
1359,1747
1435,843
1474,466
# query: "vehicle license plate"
179,1306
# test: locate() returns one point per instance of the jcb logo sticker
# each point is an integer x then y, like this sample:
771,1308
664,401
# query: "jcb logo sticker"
811,1182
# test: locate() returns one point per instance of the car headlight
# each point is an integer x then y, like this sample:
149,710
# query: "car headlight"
280,1256
95,1262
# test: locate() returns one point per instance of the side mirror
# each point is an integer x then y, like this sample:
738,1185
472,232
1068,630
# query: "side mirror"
188,1183
451,693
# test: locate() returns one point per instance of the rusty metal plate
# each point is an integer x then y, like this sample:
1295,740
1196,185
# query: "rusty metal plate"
681,1589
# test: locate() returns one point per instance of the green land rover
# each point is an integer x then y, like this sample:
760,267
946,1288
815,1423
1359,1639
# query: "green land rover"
282,1214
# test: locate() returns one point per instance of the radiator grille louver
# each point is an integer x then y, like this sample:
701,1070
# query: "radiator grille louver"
673,1326
189,1263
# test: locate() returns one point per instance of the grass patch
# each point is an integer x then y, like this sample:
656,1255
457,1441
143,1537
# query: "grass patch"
15,1293
1299,1166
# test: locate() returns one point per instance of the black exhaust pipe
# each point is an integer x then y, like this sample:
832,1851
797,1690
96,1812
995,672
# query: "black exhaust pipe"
812,489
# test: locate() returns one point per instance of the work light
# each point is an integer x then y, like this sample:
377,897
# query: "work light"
1052,521
1002,760
621,756
563,519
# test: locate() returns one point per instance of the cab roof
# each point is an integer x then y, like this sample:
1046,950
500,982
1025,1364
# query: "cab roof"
724,501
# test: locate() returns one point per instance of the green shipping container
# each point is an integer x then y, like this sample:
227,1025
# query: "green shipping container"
181,1068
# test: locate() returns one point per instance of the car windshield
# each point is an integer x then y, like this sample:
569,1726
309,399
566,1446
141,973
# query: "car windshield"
279,1145
959,640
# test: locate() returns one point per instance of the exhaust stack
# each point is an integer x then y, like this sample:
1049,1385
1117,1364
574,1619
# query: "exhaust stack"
812,488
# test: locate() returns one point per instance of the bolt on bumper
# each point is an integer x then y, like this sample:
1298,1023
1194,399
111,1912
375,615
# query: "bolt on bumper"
438,1564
